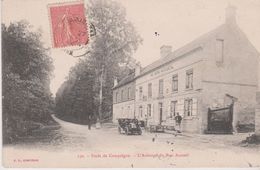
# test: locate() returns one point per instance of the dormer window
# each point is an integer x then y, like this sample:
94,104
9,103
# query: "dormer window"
219,52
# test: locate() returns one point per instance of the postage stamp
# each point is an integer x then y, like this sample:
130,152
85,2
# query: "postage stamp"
68,24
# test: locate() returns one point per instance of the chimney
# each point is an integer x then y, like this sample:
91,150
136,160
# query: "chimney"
231,14
137,69
115,81
165,50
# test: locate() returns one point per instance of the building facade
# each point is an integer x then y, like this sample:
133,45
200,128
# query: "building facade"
124,98
210,72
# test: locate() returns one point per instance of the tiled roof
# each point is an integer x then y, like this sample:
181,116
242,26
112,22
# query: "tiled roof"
198,42
193,45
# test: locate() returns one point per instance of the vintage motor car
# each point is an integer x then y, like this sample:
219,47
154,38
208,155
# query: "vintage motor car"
129,126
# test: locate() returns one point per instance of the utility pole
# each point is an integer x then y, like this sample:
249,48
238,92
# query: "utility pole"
101,94
98,124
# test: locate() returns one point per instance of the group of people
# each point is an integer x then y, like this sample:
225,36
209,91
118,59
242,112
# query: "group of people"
178,120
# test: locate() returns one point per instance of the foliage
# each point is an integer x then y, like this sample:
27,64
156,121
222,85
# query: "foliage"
74,99
111,49
26,76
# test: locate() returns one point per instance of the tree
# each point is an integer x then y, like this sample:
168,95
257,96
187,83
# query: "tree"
110,50
74,99
114,44
27,69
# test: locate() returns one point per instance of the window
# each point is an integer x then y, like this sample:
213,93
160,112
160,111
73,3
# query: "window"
219,51
150,90
129,93
140,111
175,83
140,93
149,110
189,79
188,107
173,109
161,87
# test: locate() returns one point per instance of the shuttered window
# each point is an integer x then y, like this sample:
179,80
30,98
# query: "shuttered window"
188,107
173,109
129,93
189,79
219,51
149,110
174,83
140,111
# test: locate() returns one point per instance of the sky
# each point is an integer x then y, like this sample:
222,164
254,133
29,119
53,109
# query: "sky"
177,22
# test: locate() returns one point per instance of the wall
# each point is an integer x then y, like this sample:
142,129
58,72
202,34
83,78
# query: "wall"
214,96
124,97
186,62
236,75
123,110
123,105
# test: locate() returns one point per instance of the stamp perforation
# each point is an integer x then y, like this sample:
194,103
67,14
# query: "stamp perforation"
62,4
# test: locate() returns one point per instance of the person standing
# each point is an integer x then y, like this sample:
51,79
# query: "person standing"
178,120
89,122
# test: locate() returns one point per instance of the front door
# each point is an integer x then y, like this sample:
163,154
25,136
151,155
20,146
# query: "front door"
160,112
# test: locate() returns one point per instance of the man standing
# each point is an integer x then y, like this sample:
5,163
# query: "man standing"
89,121
178,120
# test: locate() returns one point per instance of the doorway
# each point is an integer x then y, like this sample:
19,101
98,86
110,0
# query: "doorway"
220,120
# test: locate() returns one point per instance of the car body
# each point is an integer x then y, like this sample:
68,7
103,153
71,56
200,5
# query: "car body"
129,126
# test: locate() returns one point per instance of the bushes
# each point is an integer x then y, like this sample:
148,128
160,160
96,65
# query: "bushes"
252,139
27,101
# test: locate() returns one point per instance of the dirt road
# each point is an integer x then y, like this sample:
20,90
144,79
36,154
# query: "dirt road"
75,146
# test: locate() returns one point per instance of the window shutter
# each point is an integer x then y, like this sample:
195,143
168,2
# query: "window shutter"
152,110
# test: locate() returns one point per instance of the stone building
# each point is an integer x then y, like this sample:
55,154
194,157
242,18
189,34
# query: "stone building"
123,97
216,70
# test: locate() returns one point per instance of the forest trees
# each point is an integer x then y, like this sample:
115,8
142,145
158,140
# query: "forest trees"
74,99
110,50
26,72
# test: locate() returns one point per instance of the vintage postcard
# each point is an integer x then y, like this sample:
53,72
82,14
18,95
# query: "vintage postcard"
130,83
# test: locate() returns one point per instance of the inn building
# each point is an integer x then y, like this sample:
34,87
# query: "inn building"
215,71
124,97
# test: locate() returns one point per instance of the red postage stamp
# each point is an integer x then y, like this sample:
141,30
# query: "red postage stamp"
68,24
